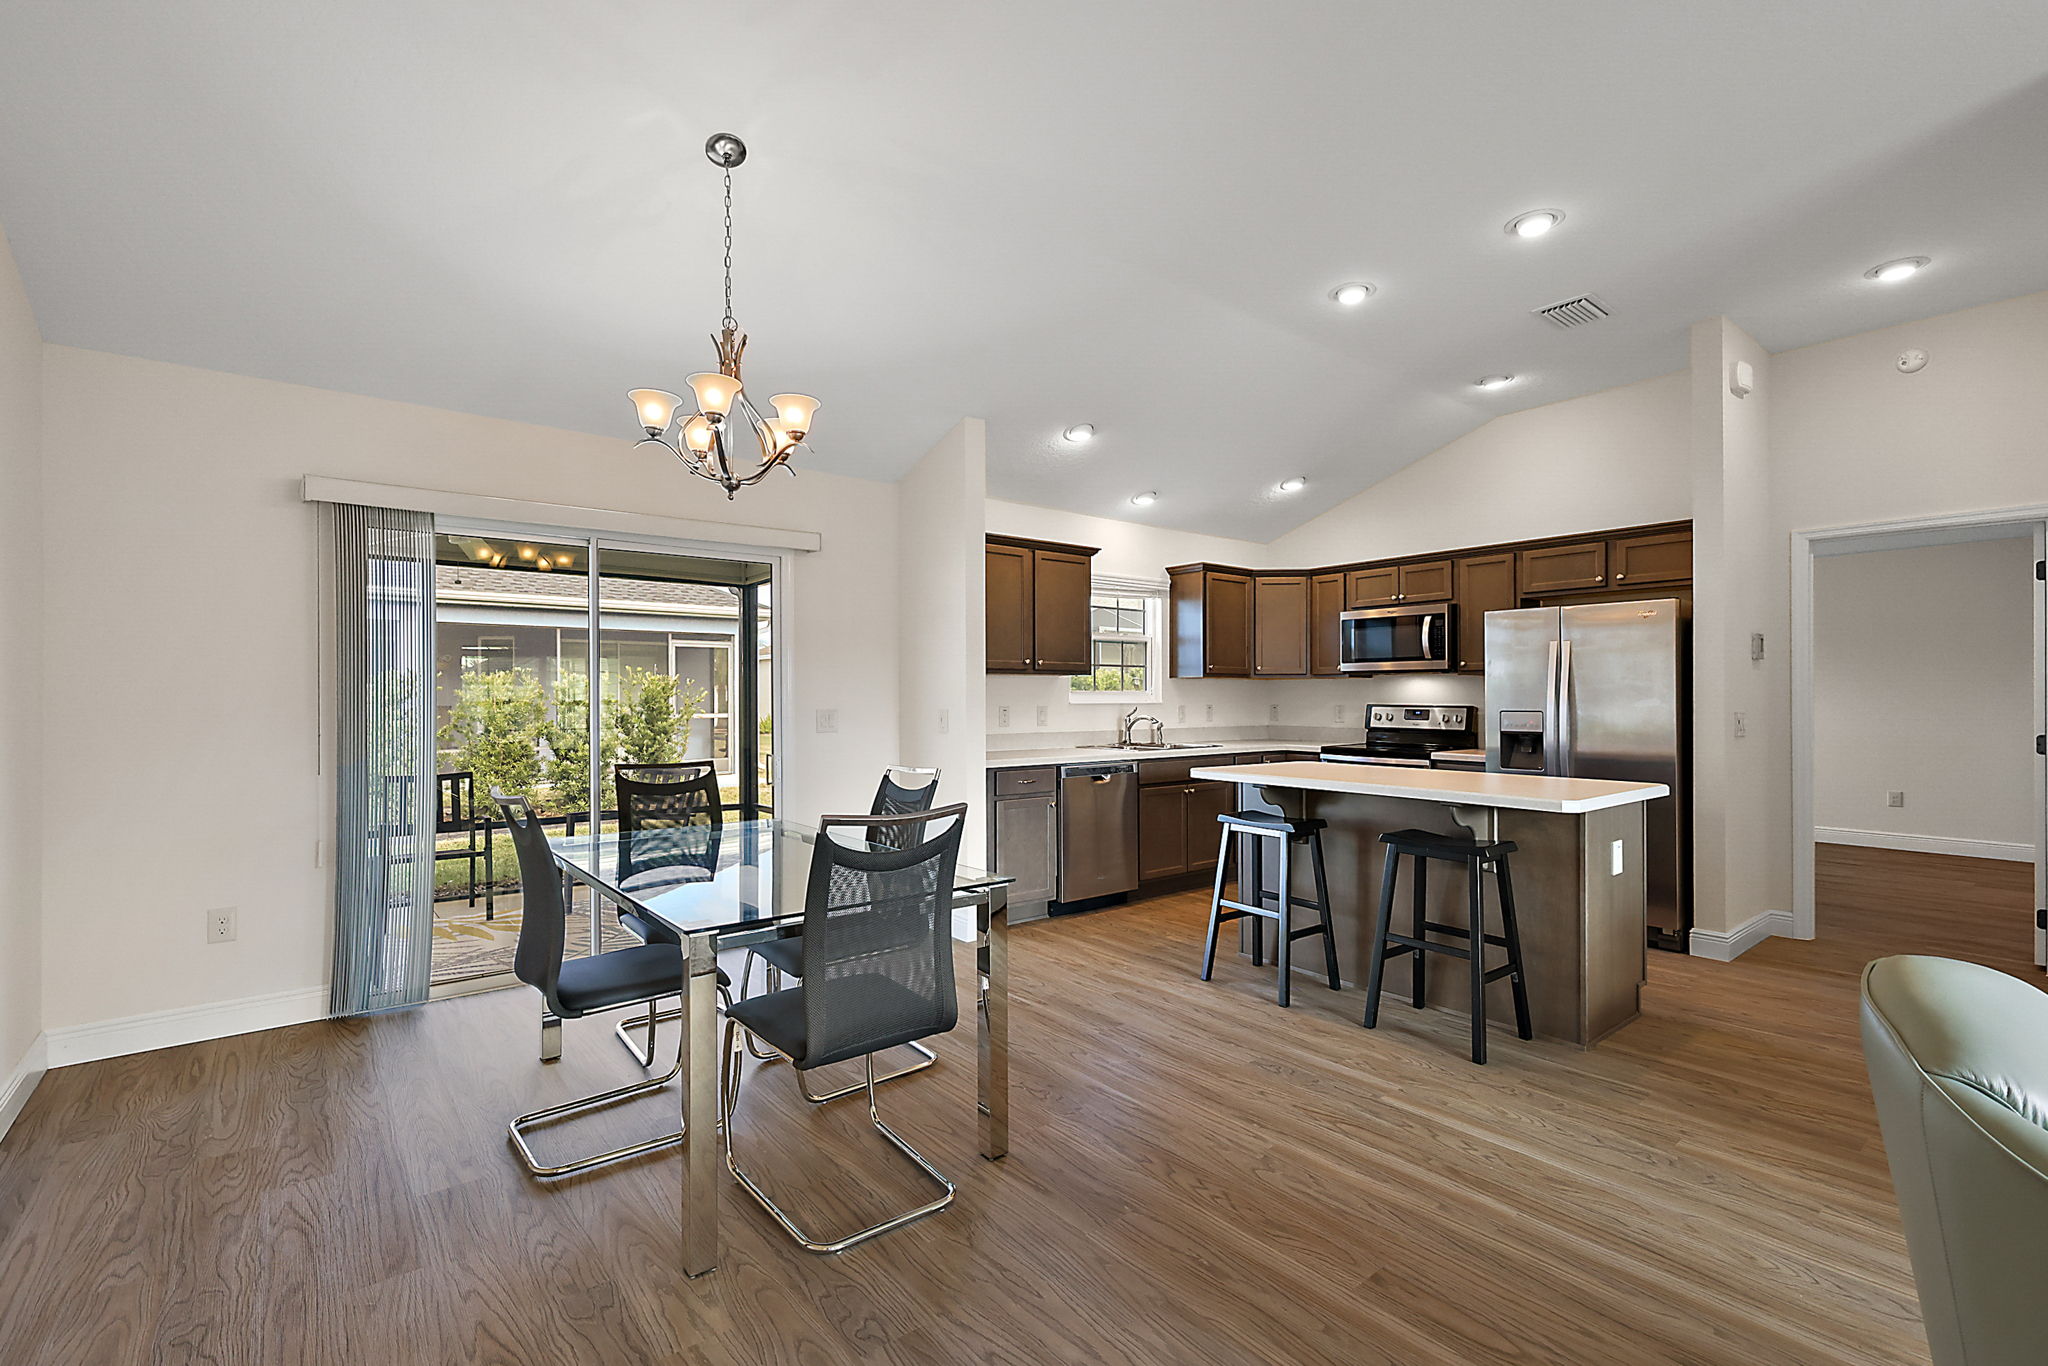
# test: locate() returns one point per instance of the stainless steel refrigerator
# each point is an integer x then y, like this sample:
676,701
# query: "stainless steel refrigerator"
1598,690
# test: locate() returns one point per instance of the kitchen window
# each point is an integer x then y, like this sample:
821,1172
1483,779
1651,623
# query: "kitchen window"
1125,647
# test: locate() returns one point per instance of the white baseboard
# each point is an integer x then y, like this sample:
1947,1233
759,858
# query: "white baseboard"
20,1084
187,1024
1926,844
1725,946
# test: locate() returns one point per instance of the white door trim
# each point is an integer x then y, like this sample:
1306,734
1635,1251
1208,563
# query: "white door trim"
1948,528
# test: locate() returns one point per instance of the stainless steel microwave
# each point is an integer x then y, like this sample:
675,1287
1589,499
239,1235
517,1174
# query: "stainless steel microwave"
1377,640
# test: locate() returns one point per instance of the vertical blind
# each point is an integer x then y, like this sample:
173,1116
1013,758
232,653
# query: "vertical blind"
384,863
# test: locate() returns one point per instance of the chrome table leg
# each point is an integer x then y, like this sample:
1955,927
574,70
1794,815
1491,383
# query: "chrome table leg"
993,1057
550,1037
701,1133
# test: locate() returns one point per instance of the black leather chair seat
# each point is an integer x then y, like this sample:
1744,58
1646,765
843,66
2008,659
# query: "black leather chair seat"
619,977
778,1017
785,954
1267,820
1430,844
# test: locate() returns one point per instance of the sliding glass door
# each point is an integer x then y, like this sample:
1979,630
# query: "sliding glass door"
559,659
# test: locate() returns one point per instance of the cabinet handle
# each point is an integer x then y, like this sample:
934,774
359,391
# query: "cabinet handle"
1619,577
1599,578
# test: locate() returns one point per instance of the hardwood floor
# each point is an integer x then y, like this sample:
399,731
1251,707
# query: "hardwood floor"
1196,1176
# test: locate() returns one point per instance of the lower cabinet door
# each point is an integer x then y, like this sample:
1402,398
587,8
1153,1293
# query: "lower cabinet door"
1027,846
1207,801
1162,832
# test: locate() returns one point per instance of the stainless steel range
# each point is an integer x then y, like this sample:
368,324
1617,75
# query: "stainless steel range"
1407,736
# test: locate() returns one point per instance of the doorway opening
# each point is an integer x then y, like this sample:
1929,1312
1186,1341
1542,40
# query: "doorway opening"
556,660
1920,824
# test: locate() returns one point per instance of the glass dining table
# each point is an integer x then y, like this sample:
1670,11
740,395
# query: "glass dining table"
745,884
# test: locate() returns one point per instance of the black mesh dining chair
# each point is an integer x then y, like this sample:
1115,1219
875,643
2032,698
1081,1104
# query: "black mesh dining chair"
785,957
671,822
573,988
878,941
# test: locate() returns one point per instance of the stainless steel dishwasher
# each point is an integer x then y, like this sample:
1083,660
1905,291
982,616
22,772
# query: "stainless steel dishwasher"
1098,831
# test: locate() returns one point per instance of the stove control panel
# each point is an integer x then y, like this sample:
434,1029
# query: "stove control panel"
1421,718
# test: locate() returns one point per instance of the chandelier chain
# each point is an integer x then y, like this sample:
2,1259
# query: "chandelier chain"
729,321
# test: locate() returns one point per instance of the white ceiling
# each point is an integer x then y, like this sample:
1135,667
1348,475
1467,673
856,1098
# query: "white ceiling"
1120,213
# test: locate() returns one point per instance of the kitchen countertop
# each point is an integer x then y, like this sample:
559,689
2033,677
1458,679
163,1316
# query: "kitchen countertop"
1461,756
1034,758
1514,791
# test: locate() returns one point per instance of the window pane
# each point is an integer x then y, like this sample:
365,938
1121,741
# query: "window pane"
1134,678
1132,619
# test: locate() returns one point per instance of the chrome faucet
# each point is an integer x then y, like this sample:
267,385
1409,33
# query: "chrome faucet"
1132,721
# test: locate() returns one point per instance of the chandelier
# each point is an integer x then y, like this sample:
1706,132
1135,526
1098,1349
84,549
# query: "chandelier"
707,438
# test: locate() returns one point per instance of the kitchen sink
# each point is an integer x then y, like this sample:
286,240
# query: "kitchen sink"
1151,749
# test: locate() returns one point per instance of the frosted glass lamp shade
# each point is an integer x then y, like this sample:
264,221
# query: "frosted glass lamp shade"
715,392
795,412
656,408
698,434
775,436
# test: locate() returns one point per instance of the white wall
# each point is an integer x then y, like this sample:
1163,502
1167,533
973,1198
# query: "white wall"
184,659
1616,458
1923,669
21,724
940,649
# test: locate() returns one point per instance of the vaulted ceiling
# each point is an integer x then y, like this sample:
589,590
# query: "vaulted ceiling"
1045,213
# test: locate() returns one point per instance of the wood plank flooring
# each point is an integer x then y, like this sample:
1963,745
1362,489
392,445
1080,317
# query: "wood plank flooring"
1196,1177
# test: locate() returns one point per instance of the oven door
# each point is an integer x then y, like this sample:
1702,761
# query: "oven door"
1396,639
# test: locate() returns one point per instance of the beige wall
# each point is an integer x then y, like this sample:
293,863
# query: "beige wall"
1923,666
185,662
940,646
21,801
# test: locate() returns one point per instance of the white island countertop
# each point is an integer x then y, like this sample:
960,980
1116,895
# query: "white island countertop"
1110,754
1516,791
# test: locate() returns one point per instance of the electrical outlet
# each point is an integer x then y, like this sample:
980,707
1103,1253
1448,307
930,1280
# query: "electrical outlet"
1180,714
1337,713
1209,712
1741,724
945,721
1614,859
1894,799
1002,718
1045,716
220,925
1273,713
828,722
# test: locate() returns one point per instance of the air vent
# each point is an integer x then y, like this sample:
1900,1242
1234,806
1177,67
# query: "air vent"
1574,312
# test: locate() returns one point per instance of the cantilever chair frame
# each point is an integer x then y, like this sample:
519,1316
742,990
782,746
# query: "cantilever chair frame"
733,1074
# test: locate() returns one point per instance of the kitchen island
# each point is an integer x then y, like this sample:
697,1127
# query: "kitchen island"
1578,872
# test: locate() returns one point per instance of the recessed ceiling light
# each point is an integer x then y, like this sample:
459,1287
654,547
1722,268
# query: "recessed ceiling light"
1891,272
1494,382
1080,434
1294,485
1353,294
1534,223
1144,500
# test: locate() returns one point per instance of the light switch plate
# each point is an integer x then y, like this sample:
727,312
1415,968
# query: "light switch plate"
1209,711
1002,718
828,721
1044,716
1894,799
1273,713
945,721
1615,859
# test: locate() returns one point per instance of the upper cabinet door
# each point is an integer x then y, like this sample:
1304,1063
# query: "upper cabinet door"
1227,625
1653,559
1563,568
1009,630
1280,626
1060,612
1486,583
1373,587
1325,602
1426,582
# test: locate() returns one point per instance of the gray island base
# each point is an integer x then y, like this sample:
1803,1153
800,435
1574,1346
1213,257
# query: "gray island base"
1578,872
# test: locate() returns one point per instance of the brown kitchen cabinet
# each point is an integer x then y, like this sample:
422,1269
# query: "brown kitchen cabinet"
1376,587
1486,583
1211,610
1563,568
1280,625
1650,560
1177,827
1429,581
1325,627
1037,600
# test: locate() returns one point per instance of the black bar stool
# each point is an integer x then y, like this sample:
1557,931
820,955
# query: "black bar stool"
1285,834
1479,857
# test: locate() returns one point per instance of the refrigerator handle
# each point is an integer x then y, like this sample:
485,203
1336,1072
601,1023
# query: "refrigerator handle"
1552,740
1566,738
